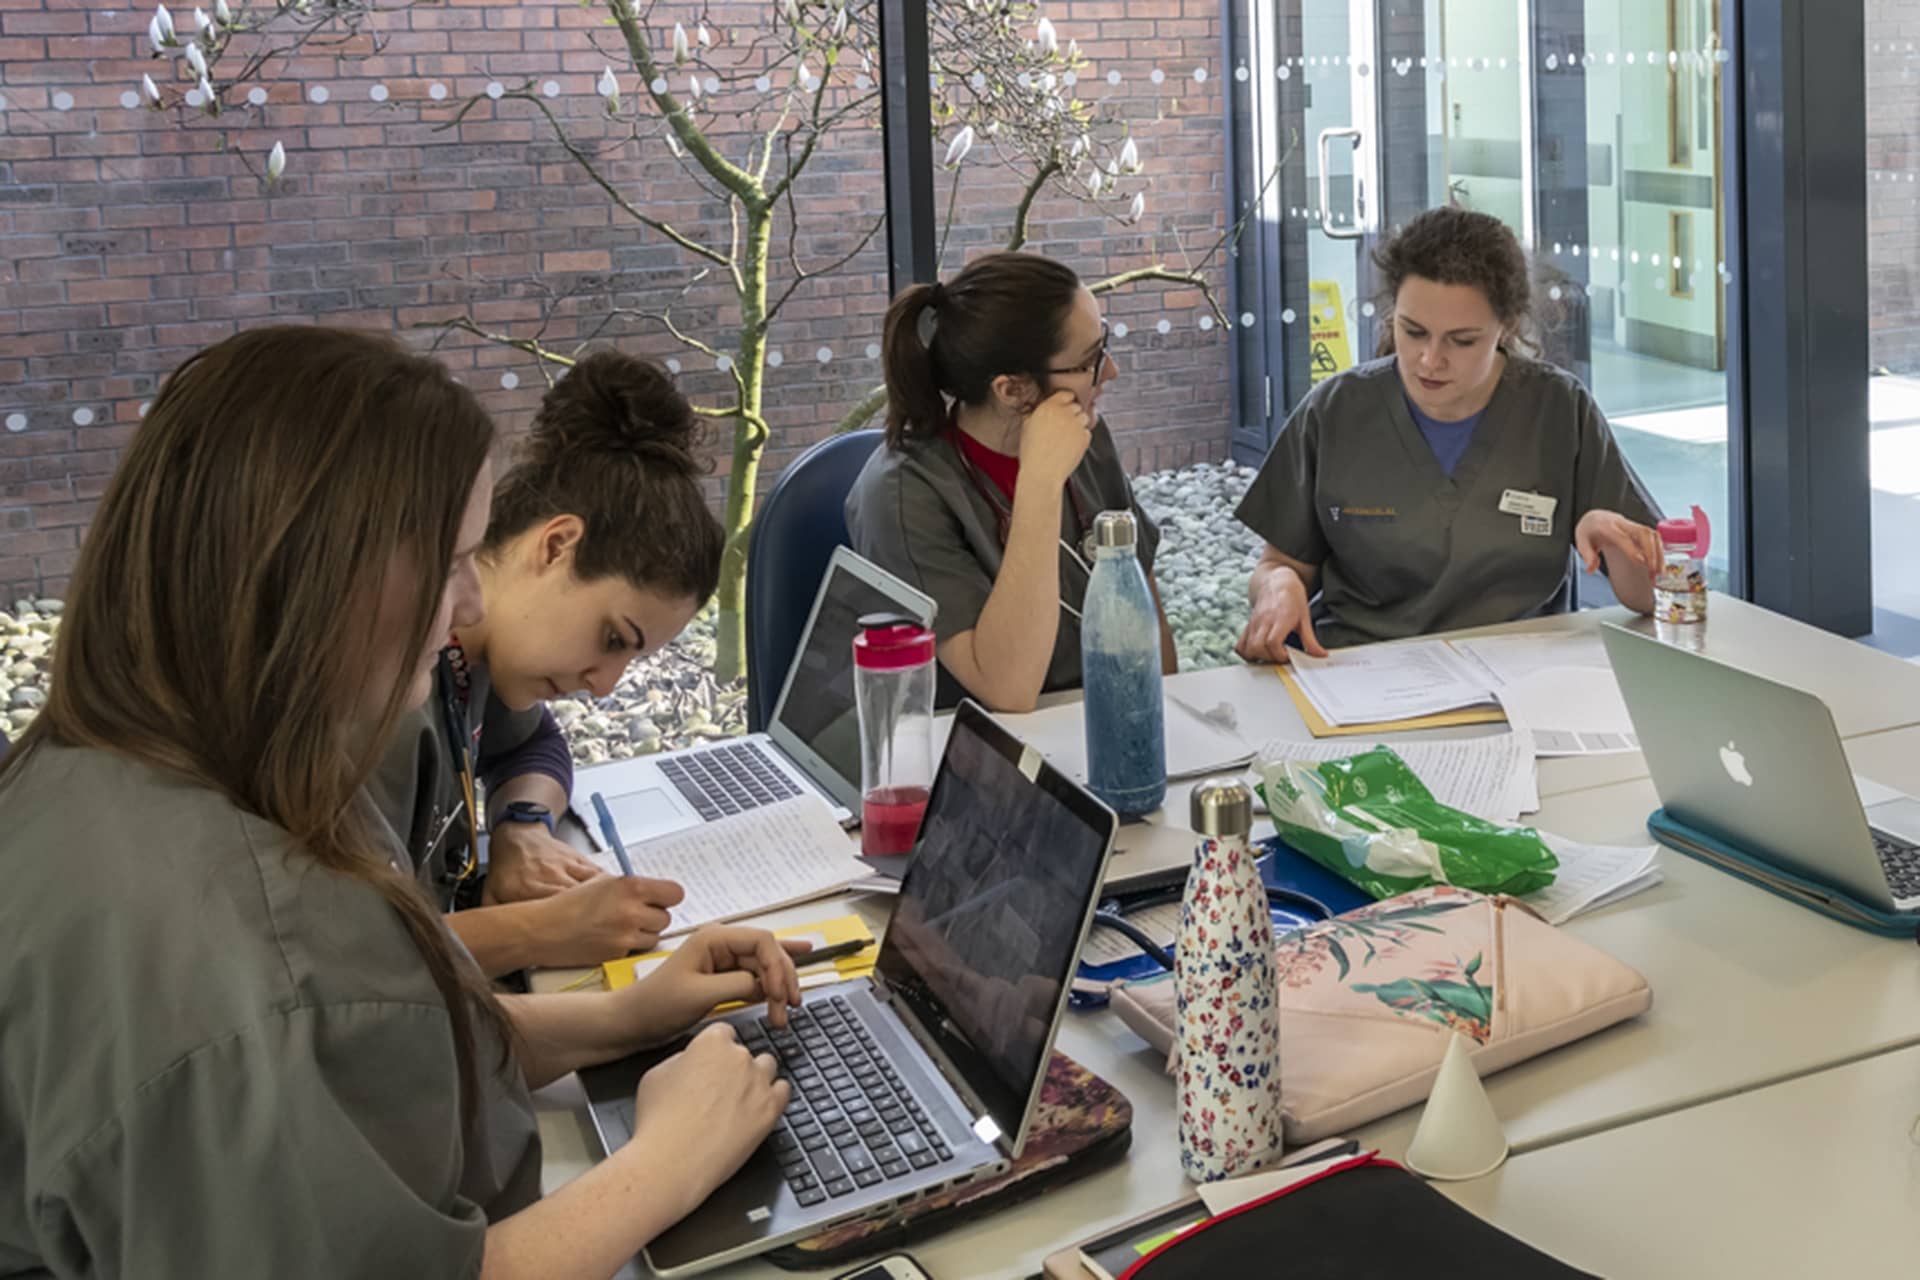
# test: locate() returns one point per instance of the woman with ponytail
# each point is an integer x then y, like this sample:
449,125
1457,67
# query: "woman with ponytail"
235,1039
600,550
995,464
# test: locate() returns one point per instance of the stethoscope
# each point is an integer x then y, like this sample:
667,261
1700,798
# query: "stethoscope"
1112,914
1003,517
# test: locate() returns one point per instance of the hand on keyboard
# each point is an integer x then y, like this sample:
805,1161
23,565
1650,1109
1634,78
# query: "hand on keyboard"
706,1109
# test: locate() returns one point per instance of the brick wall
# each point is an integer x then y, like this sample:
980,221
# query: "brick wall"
1893,182
127,242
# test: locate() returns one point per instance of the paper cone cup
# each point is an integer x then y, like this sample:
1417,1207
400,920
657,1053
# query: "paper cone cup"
1459,1136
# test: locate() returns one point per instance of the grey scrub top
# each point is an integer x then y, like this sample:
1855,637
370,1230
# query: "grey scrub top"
220,1059
918,513
1403,549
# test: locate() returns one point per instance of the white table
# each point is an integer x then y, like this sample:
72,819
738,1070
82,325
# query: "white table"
1816,1177
1749,990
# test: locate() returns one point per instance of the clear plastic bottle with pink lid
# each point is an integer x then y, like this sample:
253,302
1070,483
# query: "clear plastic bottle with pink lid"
1680,588
893,682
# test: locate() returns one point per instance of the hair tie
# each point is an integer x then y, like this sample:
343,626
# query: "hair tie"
936,295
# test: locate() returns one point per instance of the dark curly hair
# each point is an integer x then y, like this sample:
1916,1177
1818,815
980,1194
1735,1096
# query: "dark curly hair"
616,444
1460,246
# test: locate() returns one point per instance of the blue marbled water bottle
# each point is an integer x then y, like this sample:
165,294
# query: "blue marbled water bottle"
1120,670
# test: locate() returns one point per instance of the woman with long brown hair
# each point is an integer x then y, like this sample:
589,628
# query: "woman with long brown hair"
237,1039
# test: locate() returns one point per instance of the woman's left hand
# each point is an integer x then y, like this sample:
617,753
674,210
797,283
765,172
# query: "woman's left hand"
715,965
1628,543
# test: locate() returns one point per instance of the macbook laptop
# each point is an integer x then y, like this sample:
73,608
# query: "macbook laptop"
1759,765
812,744
927,1074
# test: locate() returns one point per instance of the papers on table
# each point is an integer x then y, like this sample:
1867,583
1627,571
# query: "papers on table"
1492,777
1380,682
1591,876
750,862
1198,744
1110,946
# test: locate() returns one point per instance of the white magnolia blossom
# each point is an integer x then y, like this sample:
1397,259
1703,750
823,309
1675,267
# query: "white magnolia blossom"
608,88
160,30
792,9
202,22
958,148
222,14
693,87
1073,51
1129,157
705,36
1047,38
1078,147
276,162
673,145
839,26
209,100
197,60
1138,209
150,92
680,49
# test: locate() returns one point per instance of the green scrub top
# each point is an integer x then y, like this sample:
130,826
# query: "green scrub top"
922,513
220,1059
1403,548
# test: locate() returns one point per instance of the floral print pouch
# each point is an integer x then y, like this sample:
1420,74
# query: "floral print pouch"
1369,999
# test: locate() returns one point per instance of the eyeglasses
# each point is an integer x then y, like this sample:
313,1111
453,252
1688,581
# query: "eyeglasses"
1097,362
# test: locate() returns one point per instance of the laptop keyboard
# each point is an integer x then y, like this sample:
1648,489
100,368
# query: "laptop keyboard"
727,779
1901,859
852,1122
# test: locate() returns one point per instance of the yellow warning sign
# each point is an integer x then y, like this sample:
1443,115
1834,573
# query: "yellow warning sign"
1331,352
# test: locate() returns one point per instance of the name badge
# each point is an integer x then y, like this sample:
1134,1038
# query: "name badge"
1537,526
1514,502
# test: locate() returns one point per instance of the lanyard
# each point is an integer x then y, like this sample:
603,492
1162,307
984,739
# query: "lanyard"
454,693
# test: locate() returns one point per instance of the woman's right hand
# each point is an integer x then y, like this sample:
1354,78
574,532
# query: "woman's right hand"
706,1108
1054,438
605,918
1280,608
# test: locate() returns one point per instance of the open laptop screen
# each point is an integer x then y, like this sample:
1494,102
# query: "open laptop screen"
817,705
993,909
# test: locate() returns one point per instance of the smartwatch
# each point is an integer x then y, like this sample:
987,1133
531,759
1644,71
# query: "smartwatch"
528,811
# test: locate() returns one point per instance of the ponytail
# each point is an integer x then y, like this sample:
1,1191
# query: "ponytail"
913,387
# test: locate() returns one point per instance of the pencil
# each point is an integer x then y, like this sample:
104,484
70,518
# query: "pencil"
611,832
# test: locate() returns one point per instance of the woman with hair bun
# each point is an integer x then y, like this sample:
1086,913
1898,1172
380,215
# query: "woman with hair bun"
600,550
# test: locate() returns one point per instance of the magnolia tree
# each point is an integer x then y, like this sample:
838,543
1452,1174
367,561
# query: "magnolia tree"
744,113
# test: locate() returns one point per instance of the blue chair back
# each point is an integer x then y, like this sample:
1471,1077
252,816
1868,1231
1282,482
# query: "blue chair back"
801,522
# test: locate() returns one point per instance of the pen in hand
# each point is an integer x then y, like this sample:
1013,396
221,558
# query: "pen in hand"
611,833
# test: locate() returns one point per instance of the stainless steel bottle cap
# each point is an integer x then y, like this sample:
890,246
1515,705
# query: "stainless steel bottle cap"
1222,807
1113,529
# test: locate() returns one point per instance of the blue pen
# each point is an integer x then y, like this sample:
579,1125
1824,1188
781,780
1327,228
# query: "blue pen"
611,832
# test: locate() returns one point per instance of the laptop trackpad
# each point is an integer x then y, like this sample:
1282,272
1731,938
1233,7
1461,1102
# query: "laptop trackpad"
1899,817
642,814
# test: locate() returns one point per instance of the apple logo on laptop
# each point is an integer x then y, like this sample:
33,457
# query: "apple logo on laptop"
1736,765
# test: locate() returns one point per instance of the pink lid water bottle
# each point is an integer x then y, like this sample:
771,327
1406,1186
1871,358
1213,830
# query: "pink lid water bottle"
1680,587
893,675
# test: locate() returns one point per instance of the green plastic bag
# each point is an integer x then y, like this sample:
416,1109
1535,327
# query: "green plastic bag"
1371,820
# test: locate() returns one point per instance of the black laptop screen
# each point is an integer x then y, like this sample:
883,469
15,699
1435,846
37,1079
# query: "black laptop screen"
819,708
992,909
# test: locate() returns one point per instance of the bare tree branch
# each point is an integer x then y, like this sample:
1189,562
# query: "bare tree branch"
465,324
802,276
1025,207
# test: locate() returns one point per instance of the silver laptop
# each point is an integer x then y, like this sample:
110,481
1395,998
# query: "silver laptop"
1759,765
927,1074
812,744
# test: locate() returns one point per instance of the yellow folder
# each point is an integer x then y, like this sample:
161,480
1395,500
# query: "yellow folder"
1317,724
630,969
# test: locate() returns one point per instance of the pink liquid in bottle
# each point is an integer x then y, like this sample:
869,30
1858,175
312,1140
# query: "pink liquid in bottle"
890,819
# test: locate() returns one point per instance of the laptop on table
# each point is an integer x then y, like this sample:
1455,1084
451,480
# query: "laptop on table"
1759,765
927,1074
811,746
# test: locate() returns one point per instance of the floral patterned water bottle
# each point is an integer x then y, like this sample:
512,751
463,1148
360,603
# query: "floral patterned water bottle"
1227,997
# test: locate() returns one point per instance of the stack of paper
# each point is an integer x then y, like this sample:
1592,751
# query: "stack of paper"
1492,777
1591,876
1560,687
749,862
1376,683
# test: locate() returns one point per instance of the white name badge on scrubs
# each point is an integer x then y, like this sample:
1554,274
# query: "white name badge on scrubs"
1534,509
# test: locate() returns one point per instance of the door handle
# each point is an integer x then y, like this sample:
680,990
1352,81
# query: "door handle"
1357,230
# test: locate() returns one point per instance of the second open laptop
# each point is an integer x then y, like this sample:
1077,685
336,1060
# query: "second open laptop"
812,743
926,1075
1759,766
